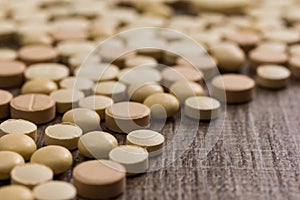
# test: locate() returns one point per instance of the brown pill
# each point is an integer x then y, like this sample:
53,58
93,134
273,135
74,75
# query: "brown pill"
294,63
37,108
125,117
38,53
5,98
11,74
245,39
237,88
101,179
65,34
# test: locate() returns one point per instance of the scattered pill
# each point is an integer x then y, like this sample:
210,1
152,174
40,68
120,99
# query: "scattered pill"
112,89
16,192
141,74
81,84
39,86
8,160
61,35
140,91
97,103
7,54
5,98
272,46
288,36
38,54
140,60
66,99
11,74
18,126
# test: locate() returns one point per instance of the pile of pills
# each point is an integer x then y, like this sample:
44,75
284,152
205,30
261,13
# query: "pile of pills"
49,53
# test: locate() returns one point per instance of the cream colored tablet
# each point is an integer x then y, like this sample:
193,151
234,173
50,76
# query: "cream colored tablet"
184,89
7,54
272,76
139,60
202,108
98,72
287,36
18,126
58,158
135,159
87,120
19,143
97,144
81,84
274,46
65,134
31,174
8,160
112,89
51,71
40,86
151,140
97,103
139,75
294,50
16,192
162,105
140,91
54,190
66,99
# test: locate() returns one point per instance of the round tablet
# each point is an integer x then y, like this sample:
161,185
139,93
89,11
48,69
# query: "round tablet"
39,86
54,190
139,75
140,91
98,72
51,71
97,103
65,134
65,34
272,76
272,46
99,179
38,54
245,39
16,192
31,174
11,73
5,98
81,84
135,159
7,55
140,60
162,105
18,126
183,89
87,120
237,88
294,63
202,108
97,144
288,36
151,140
124,117
112,89
66,99
37,108
58,158
19,143
8,160
294,50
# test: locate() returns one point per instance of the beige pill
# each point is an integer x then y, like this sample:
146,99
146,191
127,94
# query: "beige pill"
87,120
97,103
40,86
230,6
202,108
294,63
38,54
99,179
11,73
8,160
18,126
31,175
65,135
66,99
5,98
139,75
37,108
272,76
58,158
61,35
19,143
97,144
16,192
124,117
294,50
140,60
140,91
54,190
81,84
50,71
272,46
288,36
112,89
98,72
162,105
7,54
135,159
245,39
151,140
185,89
233,88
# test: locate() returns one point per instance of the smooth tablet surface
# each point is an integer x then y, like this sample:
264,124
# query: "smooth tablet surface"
18,126
19,143
37,54
112,89
11,73
162,105
137,61
140,91
5,98
97,144
65,134
98,72
202,108
97,103
58,158
7,54
31,174
66,99
16,192
267,57
99,179
39,86
133,158
87,120
8,160
54,190
81,84
139,74
37,108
